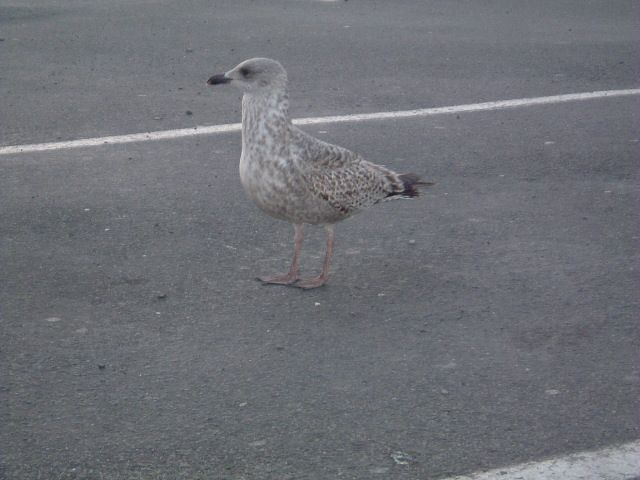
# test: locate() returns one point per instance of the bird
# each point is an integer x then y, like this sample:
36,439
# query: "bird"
293,176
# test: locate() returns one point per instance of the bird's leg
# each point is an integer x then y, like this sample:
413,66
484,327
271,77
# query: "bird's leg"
292,275
324,275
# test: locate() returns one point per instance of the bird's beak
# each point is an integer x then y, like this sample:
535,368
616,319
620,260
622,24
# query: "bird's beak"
218,79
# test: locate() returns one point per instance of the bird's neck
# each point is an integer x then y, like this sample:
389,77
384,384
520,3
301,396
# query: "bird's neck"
265,119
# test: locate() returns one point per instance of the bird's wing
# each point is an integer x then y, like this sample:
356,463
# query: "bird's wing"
341,177
353,187
315,153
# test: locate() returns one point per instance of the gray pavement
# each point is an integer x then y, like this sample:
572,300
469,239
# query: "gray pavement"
135,343
83,69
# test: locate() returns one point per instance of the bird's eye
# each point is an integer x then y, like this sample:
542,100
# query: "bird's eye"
245,72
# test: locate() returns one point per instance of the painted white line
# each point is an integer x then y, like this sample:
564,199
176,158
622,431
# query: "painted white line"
115,139
473,107
621,462
358,117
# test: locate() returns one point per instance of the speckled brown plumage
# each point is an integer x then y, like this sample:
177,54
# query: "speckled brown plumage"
295,177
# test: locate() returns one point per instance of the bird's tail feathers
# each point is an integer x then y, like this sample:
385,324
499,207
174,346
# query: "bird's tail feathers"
411,184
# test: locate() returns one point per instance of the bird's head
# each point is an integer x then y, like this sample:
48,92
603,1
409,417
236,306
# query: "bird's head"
253,75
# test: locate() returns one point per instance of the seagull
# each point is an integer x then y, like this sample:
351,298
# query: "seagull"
293,176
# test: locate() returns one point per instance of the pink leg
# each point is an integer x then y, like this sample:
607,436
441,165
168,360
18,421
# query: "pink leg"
324,275
292,275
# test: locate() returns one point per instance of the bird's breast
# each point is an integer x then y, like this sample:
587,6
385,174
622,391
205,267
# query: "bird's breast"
267,181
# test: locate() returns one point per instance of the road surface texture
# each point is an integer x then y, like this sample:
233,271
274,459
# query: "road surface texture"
492,322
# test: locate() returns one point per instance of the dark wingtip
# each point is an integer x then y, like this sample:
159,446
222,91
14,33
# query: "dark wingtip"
411,183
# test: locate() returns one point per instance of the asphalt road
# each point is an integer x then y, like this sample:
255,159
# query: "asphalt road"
491,322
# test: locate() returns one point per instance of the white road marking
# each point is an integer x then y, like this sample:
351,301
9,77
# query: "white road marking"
358,117
621,462
116,139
